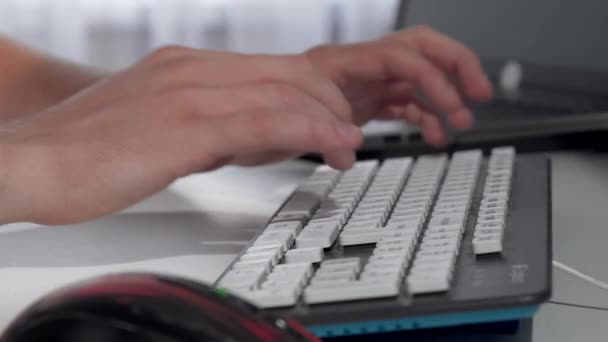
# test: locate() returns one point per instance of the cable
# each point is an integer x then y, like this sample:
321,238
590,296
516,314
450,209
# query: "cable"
580,275
602,285
579,305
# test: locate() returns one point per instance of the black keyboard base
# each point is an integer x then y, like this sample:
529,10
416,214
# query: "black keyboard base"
518,278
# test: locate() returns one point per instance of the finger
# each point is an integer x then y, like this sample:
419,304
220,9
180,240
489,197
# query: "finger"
461,119
452,56
392,112
263,158
340,160
399,95
413,114
252,133
171,52
264,98
400,102
418,114
403,64
301,73
431,129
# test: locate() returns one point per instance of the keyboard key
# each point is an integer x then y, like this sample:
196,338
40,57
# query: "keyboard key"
487,244
330,281
490,217
430,236
354,290
295,281
252,275
428,283
402,226
273,298
503,150
403,250
275,247
249,264
300,205
381,276
413,232
394,265
357,218
426,268
376,206
292,226
360,236
446,229
296,268
354,262
437,254
484,212
285,239
496,224
323,238
447,220
416,221
362,225
440,244
273,257
313,254
375,258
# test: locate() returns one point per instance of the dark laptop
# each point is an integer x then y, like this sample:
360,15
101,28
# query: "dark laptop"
561,51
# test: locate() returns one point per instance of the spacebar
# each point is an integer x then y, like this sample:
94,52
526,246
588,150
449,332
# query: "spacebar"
351,291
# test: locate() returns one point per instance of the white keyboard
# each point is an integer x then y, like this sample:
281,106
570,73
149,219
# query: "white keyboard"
411,213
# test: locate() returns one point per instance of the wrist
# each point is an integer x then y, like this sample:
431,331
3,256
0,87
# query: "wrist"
54,80
39,82
7,214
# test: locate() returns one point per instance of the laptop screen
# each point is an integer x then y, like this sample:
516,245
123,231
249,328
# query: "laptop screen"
555,33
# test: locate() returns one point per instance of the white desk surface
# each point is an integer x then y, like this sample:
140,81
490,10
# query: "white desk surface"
219,212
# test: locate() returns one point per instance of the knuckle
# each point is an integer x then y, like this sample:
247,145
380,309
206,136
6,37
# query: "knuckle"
319,51
260,124
185,96
300,63
181,65
395,53
423,29
468,54
168,52
287,96
316,131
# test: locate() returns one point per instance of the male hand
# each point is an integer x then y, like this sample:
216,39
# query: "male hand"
176,112
385,78
182,110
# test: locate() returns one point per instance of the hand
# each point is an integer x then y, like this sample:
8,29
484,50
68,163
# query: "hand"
381,79
176,112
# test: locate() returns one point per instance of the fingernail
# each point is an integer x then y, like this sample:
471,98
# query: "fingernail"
462,119
452,92
348,131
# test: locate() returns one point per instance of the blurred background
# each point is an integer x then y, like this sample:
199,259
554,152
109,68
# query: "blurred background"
115,33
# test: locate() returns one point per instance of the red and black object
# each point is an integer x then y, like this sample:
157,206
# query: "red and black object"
141,307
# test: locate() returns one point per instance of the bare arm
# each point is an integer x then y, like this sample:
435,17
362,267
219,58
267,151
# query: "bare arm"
31,81
182,110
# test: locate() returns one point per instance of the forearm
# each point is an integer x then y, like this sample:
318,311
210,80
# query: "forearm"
31,81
